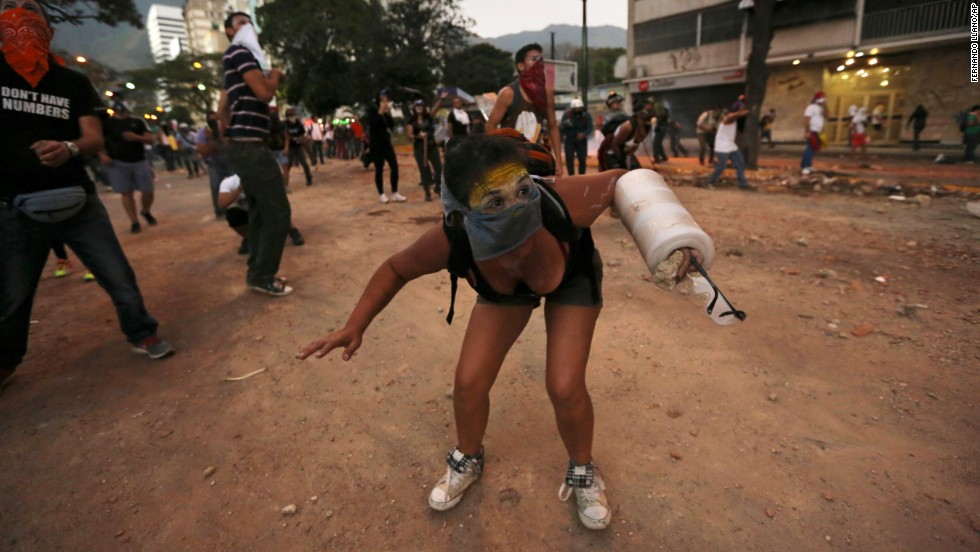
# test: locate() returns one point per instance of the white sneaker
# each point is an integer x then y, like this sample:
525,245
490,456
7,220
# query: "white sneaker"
383,198
593,509
807,170
398,197
462,472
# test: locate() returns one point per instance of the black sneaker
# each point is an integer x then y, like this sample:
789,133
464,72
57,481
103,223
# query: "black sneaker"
296,236
275,289
154,347
243,248
135,228
150,219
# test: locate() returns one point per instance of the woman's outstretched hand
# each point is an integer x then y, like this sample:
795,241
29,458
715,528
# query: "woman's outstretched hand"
686,265
349,339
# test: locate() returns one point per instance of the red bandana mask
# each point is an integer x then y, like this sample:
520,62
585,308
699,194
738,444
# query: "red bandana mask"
26,42
535,86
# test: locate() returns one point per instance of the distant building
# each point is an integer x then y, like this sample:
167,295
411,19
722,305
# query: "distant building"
167,32
205,22
886,54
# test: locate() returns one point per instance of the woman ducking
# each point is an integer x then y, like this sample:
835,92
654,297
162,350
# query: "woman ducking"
516,238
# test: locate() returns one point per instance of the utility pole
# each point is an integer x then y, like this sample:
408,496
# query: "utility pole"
552,44
584,73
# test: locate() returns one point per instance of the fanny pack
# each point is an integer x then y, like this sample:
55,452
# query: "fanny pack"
52,205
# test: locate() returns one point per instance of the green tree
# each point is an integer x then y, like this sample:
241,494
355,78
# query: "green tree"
192,82
479,68
419,36
110,12
324,47
340,52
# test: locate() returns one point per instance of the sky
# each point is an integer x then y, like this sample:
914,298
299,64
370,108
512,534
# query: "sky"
499,17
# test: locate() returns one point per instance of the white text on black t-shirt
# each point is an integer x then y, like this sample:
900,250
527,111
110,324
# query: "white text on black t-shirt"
28,101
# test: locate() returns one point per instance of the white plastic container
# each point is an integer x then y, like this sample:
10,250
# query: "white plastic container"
657,220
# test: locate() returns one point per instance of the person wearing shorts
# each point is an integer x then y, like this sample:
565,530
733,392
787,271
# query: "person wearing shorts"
125,160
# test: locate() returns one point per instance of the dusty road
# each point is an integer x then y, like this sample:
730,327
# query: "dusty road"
842,415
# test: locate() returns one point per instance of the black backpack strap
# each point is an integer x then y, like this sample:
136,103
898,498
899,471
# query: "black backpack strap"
515,104
459,255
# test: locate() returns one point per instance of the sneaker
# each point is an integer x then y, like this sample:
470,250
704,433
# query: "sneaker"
243,248
275,288
296,236
590,494
154,347
88,277
150,219
807,170
398,197
462,472
383,198
61,270
135,228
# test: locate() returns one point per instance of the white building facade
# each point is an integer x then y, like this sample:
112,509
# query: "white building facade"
167,32
887,54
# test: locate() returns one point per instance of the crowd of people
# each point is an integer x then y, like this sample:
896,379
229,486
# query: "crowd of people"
516,224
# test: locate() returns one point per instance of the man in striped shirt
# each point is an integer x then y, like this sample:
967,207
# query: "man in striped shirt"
244,114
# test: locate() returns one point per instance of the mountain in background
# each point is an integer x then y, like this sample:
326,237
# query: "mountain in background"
125,47
605,36
122,48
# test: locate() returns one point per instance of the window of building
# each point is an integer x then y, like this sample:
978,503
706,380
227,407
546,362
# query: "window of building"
721,23
662,35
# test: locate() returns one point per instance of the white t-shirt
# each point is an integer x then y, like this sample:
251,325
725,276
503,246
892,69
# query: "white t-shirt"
815,112
315,133
230,184
859,120
725,138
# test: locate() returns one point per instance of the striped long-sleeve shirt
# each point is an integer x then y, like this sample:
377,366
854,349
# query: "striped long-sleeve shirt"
249,115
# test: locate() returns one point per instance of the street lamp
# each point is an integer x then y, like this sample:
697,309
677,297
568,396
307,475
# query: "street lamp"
80,59
197,65
130,86
201,87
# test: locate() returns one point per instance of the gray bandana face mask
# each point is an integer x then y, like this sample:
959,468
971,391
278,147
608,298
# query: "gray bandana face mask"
493,234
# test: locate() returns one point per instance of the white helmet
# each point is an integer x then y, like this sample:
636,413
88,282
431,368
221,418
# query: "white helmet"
576,104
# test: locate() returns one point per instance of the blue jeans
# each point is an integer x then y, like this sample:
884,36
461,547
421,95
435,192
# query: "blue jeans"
736,157
809,152
217,171
24,246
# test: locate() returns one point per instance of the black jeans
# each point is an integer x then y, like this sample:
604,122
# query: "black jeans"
268,208
575,148
380,153
298,156
24,246
659,153
317,151
970,142
428,168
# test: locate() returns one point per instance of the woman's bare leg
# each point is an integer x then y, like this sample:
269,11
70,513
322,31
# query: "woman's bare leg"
570,329
490,334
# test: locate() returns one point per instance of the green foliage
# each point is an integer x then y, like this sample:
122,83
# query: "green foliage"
179,80
479,68
341,52
110,12
602,63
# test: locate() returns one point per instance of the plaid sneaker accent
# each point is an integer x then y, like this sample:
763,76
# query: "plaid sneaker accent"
462,472
590,495
580,477
459,462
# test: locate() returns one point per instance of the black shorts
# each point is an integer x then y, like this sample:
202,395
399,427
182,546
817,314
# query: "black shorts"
576,290
236,217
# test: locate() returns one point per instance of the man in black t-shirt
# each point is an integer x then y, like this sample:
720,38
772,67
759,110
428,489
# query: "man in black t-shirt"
295,150
48,120
125,160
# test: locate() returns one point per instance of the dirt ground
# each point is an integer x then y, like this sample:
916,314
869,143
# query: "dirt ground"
841,415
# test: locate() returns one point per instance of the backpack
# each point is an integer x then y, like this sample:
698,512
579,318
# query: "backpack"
554,217
610,125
